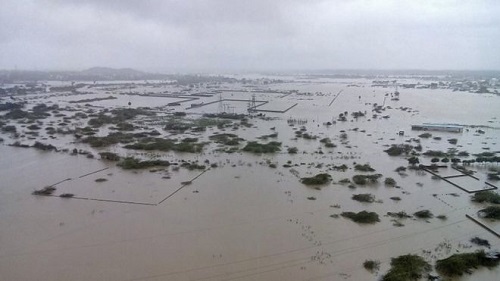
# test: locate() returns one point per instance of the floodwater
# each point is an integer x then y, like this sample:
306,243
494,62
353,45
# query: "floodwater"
244,220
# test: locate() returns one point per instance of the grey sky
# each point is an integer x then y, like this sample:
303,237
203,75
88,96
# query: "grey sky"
227,35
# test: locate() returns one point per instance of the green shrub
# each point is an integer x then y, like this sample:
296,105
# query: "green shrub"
48,190
390,182
255,147
364,168
435,153
318,179
366,179
166,145
494,176
371,265
423,214
67,195
398,149
226,139
362,217
458,264
365,197
406,268
399,215
486,196
345,181
134,163
400,169
491,212
193,166
109,156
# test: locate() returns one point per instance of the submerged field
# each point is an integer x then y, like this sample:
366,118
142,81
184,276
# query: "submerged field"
168,182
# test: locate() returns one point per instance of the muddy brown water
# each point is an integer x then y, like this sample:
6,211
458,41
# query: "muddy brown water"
244,220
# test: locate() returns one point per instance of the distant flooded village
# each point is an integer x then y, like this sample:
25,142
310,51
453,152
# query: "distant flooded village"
117,174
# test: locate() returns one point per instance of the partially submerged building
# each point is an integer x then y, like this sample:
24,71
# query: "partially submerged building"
438,127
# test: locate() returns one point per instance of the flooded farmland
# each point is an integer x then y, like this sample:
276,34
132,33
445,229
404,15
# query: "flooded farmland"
255,179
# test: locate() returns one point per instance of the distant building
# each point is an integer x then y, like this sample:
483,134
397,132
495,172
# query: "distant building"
438,127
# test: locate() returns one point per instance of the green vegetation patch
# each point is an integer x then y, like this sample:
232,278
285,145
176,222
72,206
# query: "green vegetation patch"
265,137
255,147
399,149
458,264
366,179
46,191
365,197
480,242
390,182
486,197
406,268
362,217
111,139
398,215
371,265
318,179
118,116
425,135
435,153
327,142
494,176
364,168
134,163
94,99
109,156
67,195
10,106
193,166
423,214
491,212
166,145
46,147
226,139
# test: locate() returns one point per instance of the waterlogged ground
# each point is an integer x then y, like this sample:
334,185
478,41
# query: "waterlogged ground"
247,217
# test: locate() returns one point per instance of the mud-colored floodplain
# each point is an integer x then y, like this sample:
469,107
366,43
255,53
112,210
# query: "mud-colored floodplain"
263,178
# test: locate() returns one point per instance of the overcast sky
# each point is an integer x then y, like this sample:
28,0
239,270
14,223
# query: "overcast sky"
230,35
